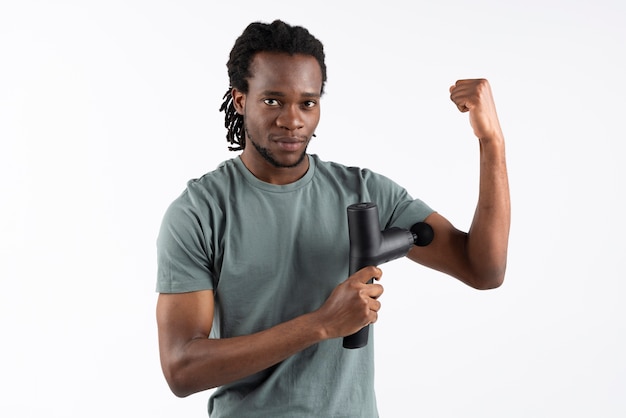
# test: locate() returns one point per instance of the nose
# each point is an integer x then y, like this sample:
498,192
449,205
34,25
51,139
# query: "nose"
290,118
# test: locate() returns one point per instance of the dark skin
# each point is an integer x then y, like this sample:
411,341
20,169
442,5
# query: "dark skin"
281,111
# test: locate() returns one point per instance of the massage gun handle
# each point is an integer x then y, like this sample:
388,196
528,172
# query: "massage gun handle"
358,339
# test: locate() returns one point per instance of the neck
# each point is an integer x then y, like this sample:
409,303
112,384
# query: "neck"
269,173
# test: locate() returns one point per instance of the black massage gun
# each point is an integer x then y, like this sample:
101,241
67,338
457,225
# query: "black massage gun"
369,246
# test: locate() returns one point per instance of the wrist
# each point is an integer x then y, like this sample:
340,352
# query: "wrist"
493,144
316,324
495,137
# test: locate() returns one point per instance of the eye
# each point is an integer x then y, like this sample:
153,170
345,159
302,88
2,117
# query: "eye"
310,104
271,102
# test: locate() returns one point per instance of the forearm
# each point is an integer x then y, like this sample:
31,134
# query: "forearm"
487,239
192,362
205,363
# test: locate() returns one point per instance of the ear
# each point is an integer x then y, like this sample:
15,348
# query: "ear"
239,100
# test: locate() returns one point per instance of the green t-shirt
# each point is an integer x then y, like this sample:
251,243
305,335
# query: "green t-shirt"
271,253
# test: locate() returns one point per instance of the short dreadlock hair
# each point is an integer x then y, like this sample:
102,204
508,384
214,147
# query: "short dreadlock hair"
262,37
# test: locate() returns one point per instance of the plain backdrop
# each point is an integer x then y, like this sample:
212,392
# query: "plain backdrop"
107,108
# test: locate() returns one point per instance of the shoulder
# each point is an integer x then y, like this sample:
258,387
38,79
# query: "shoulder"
342,171
211,186
219,178
202,196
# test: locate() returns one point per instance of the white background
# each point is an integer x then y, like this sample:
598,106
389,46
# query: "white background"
108,108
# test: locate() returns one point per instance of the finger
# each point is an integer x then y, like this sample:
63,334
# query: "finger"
368,273
375,305
459,85
460,104
373,317
374,309
458,99
372,291
378,275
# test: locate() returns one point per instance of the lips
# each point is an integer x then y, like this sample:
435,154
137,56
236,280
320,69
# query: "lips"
289,144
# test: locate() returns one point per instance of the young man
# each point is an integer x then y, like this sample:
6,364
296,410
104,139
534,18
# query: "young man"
253,256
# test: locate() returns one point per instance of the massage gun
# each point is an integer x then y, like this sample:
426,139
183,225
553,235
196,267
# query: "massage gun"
369,246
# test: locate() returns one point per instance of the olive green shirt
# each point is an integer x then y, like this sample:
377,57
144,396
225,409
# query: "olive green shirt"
271,253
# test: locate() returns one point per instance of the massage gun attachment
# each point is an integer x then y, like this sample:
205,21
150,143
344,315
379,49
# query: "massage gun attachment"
369,246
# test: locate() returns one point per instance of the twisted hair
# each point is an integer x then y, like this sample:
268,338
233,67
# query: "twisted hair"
262,37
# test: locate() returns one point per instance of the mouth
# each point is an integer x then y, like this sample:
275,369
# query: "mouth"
289,143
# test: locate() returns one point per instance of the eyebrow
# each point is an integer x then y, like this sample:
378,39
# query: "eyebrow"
281,94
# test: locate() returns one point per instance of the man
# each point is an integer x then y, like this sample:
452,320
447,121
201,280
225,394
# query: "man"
253,257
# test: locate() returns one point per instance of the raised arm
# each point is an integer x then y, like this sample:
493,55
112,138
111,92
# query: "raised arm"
479,256
192,362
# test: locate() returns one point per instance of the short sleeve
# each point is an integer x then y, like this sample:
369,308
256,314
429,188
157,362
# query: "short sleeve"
396,206
183,257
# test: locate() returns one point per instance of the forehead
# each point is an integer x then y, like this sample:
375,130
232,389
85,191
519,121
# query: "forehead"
278,71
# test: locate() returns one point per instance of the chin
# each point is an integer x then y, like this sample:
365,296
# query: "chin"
290,162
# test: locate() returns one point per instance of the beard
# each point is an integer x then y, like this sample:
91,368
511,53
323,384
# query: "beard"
269,157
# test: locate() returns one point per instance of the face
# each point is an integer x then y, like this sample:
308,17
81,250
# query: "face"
281,111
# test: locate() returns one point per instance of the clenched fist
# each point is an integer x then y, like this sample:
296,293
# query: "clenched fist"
474,96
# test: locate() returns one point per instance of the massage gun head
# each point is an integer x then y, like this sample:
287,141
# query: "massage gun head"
423,234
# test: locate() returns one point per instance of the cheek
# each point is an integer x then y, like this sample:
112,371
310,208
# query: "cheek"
313,120
257,126
256,123
258,116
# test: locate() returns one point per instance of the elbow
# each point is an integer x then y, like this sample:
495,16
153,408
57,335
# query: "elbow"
487,271
179,390
488,280
180,381
176,382
489,284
